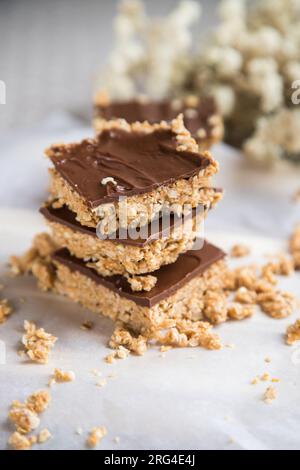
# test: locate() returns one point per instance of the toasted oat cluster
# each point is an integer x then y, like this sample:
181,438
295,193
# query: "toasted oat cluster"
96,435
295,246
239,251
18,441
38,343
293,333
25,418
25,415
270,395
5,310
63,376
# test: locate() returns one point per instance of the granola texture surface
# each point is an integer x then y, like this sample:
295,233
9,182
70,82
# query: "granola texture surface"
137,210
110,257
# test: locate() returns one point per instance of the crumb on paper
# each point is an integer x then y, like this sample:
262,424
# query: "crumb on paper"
277,304
25,415
96,435
165,348
268,359
63,376
44,436
293,333
123,337
87,325
38,401
20,442
38,343
5,310
237,311
240,250
117,440
265,377
270,395
79,431
96,372
295,246
255,381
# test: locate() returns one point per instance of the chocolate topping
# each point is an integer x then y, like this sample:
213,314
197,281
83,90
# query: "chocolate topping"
148,234
137,162
170,277
195,118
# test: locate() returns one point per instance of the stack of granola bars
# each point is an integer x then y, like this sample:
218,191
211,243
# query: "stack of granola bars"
125,213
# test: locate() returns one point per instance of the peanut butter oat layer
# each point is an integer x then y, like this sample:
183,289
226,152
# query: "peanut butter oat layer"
178,292
157,244
130,173
201,116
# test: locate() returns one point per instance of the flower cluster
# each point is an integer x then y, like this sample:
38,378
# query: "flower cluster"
249,64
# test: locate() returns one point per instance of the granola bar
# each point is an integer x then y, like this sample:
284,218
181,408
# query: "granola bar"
178,293
135,253
130,173
201,116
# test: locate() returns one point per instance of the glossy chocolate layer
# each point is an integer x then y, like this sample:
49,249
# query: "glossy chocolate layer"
195,118
170,277
158,229
138,163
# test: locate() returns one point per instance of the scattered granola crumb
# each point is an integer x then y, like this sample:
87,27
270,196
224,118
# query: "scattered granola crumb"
110,358
123,337
255,381
268,359
117,440
96,436
79,431
164,348
245,296
239,251
230,345
275,380
187,333
23,418
265,377
63,376
293,333
37,342
215,306
44,436
87,325
270,395
276,304
20,442
238,311
5,310
295,246
38,401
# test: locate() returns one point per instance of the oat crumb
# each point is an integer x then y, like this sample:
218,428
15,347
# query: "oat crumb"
96,436
5,310
293,333
63,376
117,440
265,377
270,395
87,325
240,251
44,436
20,442
38,343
